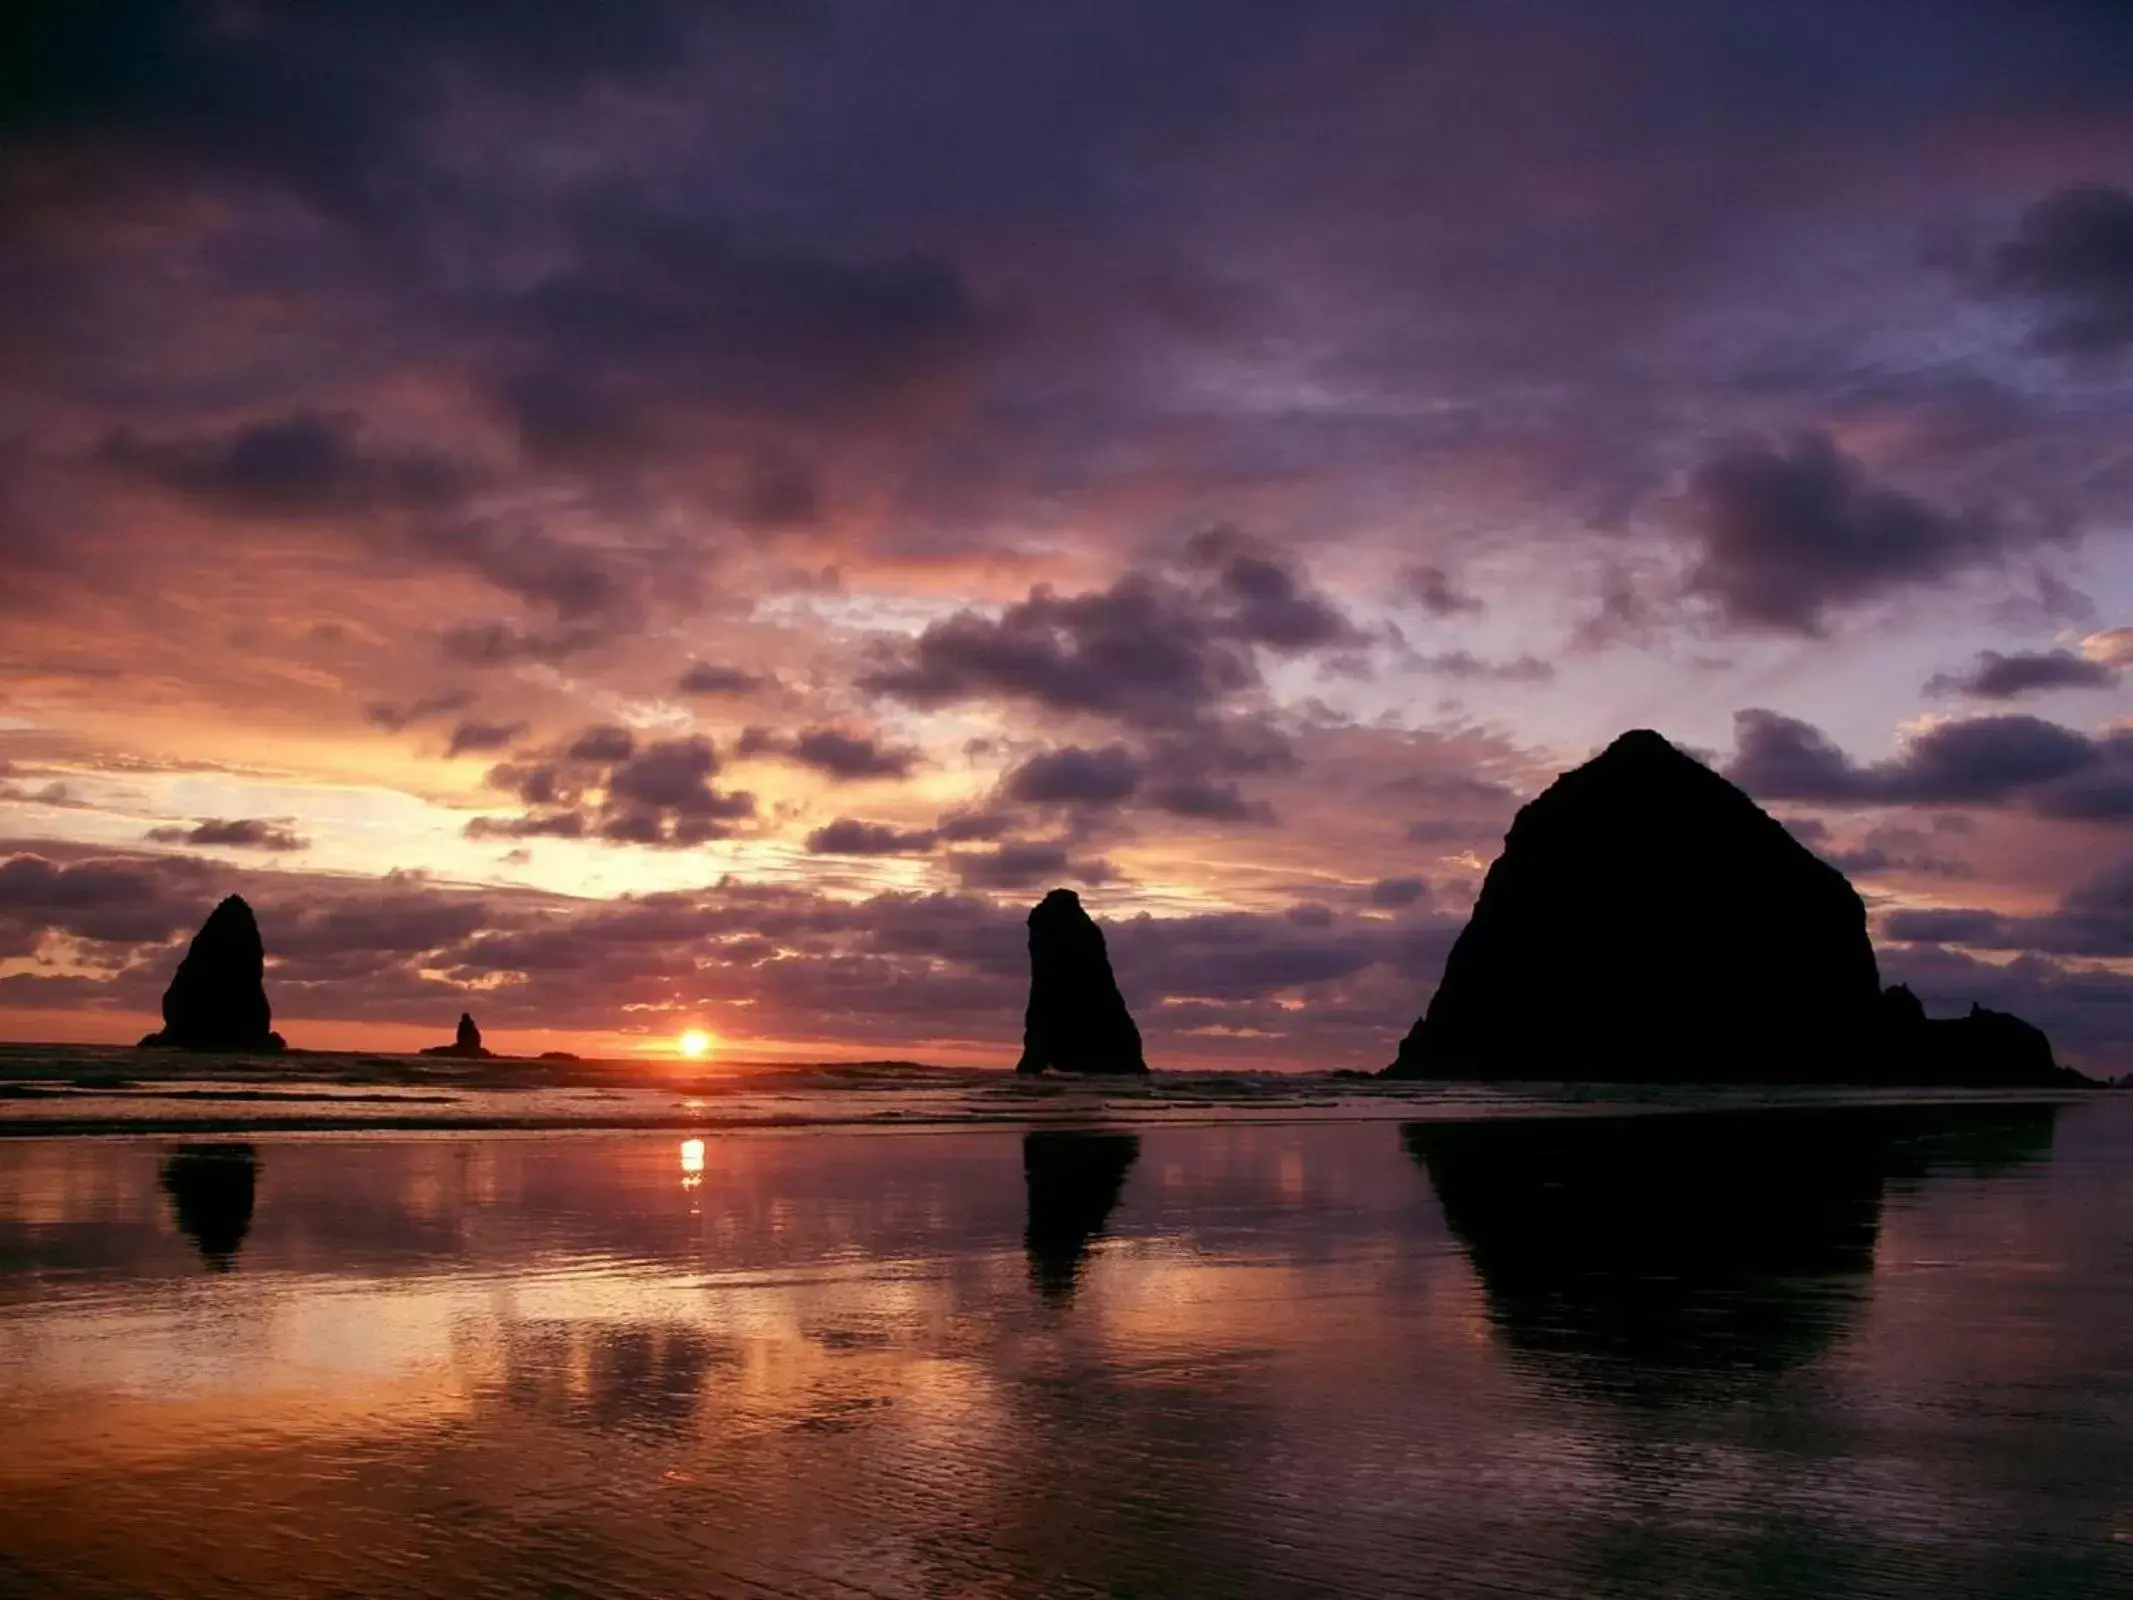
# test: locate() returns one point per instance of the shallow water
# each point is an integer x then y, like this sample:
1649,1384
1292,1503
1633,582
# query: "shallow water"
1828,1353
70,1089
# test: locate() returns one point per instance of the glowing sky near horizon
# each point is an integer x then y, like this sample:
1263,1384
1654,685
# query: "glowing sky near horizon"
664,517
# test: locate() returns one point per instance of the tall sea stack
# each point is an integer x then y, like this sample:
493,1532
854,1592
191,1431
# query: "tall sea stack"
1077,1020
466,1042
1648,922
218,999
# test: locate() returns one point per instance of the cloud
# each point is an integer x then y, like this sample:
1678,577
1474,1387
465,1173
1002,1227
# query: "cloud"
1020,864
2008,677
1789,533
653,311
394,718
1437,592
2093,920
1994,760
307,464
850,837
1155,650
539,825
1209,800
704,678
470,737
1074,776
322,106
850,757
1393,893
498,644
2113,647
604,784
243,833
1468,667
1260,597
602,745
2073,256
107,899
671,774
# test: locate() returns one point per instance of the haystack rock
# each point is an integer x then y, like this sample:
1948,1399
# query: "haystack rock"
218,999
1077,1020
1647,921
466,1042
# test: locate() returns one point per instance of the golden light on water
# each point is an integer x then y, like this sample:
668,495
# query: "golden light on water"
694,1043
692,1155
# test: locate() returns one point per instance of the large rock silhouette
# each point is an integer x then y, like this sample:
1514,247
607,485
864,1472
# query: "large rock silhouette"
218,998
1077,1021
1647,921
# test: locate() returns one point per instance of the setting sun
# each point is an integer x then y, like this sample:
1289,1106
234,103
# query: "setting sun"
694,1043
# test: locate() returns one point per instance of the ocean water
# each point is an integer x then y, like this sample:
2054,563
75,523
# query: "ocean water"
1320,1342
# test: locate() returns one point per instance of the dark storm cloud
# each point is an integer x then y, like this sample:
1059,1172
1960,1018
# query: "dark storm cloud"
471,737
703,678
240,833
1791,533
2008,677
848,836
2053,771
2073,256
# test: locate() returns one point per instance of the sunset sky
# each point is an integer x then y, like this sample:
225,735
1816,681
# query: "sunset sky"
644,516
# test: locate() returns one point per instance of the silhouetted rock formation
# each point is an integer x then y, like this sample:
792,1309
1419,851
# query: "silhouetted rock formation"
1077,1021
1647,921
218,999
467,1042
210,1188
1074,1178
1726,1245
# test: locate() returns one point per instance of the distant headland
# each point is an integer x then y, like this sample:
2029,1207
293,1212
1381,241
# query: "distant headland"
1646,922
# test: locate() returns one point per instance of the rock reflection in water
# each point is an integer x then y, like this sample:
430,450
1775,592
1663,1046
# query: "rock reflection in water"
211,1188
1074,1177
1651,1255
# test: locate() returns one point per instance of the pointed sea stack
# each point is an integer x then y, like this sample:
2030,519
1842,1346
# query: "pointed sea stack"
218,999
1648,922
1077,1020
466,1042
